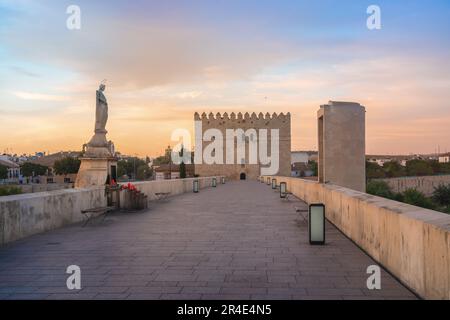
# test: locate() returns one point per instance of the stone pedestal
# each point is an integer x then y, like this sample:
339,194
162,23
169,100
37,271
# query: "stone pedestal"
98,165
96,171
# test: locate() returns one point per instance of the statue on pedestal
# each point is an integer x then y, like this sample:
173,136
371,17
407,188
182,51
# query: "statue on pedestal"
98,164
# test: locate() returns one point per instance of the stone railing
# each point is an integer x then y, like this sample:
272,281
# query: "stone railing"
27,214
174,187
411,242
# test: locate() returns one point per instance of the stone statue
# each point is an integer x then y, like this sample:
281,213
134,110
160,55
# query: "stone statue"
101,117
101,111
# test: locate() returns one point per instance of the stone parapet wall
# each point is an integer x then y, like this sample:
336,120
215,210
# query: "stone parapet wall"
411,242
174,187
27,214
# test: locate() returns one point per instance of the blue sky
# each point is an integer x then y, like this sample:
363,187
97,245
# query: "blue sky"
165,60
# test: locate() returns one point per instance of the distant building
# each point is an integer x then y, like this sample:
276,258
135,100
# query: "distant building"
303,156
172,171
300,169
49,161
444,158
13,170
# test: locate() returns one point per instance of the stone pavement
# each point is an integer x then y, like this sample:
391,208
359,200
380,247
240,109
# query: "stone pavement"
236,241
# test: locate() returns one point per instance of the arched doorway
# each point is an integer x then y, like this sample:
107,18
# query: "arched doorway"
243,176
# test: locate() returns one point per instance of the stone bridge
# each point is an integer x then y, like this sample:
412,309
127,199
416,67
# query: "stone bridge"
236,241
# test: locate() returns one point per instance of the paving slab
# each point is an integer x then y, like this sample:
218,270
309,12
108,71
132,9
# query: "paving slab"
236,241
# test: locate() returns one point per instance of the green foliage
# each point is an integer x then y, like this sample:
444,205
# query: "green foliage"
314,167
435,166
130,166
417,198
444,168
441,195
374,171
9,190
29,169
3,172
379,188
161,160
418,168
67,165
182,165
143,172
393,169
182,170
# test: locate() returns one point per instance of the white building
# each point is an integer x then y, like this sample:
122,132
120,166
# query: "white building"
302,156
13,169
444,158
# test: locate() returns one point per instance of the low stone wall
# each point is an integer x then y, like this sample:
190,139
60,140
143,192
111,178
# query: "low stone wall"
176,186
424,184
27,214
32,188
411,242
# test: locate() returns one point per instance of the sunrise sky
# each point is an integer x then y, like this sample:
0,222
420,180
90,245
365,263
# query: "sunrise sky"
164,60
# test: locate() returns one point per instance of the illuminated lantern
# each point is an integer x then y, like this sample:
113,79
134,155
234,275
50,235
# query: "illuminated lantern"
317,223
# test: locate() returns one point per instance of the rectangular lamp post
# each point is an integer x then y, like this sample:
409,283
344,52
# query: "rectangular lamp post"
268,181
214,182
316,224
274,183
283,189
195,186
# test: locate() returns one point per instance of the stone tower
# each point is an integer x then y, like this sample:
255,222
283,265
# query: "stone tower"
341,128
251,130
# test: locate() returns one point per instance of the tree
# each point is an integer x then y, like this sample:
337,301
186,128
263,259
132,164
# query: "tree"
314,167
161,160
393,169
374,171
129,167
67,165
3,172
182,165
444,168
417,198
182,170
379,188
143,172
29,169
418,167
435,166
441,195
